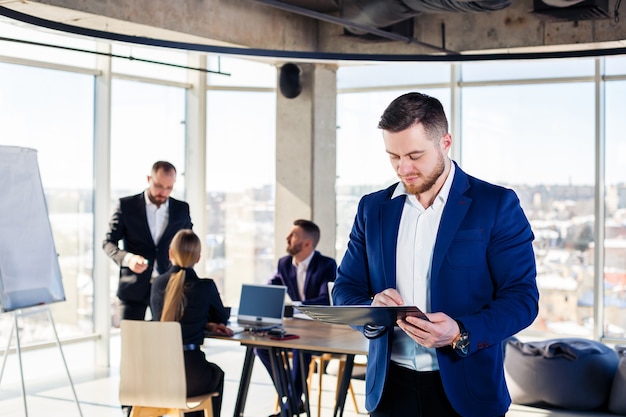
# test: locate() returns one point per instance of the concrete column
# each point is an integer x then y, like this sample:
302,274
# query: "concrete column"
306,156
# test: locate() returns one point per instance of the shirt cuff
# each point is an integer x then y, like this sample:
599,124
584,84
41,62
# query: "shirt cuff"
126,259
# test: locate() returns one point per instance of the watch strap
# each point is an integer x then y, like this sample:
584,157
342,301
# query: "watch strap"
461,343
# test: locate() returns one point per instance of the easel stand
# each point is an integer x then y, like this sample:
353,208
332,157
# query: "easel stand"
28,312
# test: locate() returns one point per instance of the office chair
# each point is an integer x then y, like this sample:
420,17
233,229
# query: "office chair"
152,371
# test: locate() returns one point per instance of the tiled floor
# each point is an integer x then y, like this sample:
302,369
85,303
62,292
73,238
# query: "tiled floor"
49,392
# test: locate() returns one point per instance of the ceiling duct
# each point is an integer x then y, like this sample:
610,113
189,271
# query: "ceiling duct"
388,14
384,13
572,10
322,6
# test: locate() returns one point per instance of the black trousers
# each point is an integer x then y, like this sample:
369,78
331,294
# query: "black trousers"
415,394
132,310
203,377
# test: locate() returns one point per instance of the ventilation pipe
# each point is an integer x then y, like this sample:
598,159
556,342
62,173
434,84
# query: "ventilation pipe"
382,13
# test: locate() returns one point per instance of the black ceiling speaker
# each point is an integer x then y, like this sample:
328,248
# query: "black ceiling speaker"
289,82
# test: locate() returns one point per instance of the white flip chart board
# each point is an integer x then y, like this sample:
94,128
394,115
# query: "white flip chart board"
29,266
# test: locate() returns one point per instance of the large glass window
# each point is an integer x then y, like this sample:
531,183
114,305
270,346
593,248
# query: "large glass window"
240,169
147,125
616,65
615,223
362,163
390,76
539,141
531,69
24,42
240,73
59,125
143,61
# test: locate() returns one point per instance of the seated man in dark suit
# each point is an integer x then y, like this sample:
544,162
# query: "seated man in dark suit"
306,274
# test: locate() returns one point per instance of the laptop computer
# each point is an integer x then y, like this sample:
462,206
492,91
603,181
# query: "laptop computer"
261,306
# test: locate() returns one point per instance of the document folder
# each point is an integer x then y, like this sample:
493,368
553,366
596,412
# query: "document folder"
360,315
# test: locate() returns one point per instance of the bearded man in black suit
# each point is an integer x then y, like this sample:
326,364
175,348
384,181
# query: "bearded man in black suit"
145,223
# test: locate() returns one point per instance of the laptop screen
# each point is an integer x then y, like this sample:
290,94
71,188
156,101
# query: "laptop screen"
261,304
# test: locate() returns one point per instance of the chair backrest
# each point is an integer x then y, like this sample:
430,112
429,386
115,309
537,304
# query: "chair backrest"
152,366
330,284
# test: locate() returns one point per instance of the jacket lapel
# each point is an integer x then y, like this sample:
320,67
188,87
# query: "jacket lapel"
309,272
390,214
140,202
453,214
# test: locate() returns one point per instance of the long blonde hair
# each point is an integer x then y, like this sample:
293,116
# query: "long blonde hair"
184,254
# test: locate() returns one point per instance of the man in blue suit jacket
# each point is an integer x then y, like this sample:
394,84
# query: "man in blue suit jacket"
306,274
457,247
146,224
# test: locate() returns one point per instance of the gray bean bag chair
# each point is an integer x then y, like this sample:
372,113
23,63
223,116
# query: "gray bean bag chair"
569,373
617,399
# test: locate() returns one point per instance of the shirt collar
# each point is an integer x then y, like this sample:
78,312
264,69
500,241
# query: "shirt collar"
441,198
305,262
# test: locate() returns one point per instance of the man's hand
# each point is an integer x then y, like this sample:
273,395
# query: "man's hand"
388,297
137,264
440,331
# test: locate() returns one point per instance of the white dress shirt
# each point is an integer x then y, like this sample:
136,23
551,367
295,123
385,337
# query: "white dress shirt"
416,241
301,273
157,221
157,217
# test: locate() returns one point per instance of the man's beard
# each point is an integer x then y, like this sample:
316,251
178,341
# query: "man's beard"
428,181
294,250
156,200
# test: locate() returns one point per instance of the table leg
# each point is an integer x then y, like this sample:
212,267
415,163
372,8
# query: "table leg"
343,386
246,374
304,371
282,379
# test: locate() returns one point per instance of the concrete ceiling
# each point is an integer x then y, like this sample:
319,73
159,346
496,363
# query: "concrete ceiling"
353,27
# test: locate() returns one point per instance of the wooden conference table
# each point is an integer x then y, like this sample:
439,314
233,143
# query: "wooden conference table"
314,336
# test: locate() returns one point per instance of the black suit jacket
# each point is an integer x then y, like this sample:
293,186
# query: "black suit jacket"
130,225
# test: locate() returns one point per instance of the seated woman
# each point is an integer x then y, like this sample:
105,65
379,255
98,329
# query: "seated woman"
179,295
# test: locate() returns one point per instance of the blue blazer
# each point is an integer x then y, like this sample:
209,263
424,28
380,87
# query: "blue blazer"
483,273
321,270
129,224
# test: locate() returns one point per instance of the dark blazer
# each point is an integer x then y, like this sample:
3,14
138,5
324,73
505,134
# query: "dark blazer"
482,273
203,305
321,270
130,225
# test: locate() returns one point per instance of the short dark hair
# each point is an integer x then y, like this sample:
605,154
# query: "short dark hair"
310,229
165,166
412,108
